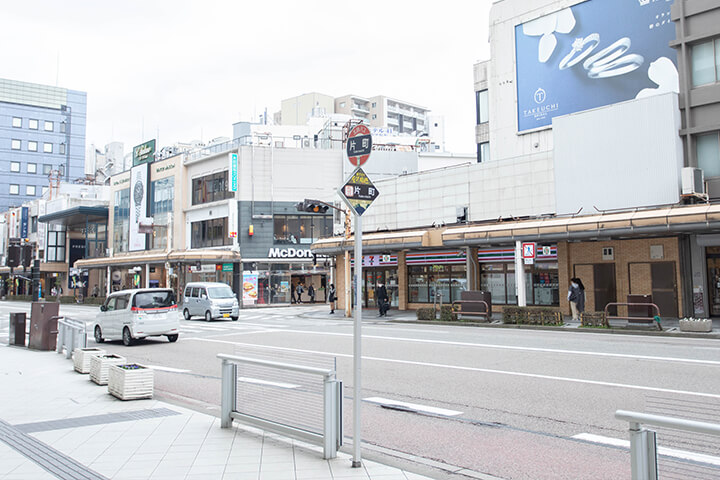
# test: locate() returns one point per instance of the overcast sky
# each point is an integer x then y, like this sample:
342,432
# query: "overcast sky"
182,70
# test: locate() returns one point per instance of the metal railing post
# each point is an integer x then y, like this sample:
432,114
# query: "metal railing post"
643,453
228,396
72,334
60,338
330,429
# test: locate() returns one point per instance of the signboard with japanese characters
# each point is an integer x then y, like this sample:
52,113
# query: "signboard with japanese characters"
359,192
359,145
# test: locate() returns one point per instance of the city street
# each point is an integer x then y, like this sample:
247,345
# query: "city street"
508,403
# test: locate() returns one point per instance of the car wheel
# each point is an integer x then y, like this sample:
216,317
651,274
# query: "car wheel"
98,335
172,338
234,319
127,338
186,314
208,316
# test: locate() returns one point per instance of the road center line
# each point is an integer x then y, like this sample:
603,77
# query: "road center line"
522,349
475,369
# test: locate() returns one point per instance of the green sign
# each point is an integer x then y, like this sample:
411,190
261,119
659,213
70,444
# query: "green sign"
144,153
227,267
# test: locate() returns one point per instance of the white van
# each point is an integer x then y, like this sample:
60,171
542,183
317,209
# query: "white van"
210,300
128,315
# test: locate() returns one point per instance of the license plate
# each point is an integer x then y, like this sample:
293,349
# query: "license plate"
225,315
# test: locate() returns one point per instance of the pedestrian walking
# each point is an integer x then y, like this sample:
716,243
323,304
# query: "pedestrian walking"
576,297
299,290
381,297
311,293
331,297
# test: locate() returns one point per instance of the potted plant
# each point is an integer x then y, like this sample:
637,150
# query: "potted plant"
99,365
130,381
81,358
696,325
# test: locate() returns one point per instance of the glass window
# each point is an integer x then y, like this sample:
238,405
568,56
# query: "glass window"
428,281
47,169
47,147
48,126
61,149
14,189
30,190
708,153
62,127
703,64
33,224
32,124
482,113
32,146
158,299
17,122
483,152
14,166
211,188
15,144
210,233
32,168
121,219
305,229
55,249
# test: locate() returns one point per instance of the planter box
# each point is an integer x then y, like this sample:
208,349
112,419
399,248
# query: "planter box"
99,365
704,325
130,381
81,358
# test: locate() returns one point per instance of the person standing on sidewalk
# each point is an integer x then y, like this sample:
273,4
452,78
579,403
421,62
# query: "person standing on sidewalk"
311,293
576,297
331,297
381,297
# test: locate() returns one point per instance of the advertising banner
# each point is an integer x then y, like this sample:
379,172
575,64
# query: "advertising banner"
144,153
24,222
250,288
593,54
138,205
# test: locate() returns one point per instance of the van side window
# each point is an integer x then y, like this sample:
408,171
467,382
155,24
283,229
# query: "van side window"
202,293
110,305
195,293
188,292
122,302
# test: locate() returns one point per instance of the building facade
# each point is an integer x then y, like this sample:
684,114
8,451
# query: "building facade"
42,133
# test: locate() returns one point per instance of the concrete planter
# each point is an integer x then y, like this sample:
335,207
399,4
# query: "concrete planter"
130,381
696,325
81,358
99,365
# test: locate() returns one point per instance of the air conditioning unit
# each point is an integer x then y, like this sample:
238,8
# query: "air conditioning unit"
693,181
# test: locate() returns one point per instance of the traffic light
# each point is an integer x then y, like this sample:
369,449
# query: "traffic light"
26,256
312,206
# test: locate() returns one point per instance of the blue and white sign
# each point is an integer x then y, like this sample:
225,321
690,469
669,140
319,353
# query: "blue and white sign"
595,53
24,222
233,159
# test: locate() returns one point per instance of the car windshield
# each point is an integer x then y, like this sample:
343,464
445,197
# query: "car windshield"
220,292
154,299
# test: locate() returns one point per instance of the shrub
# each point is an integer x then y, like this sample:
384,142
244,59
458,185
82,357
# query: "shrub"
425,314
594,319
532,316
447,314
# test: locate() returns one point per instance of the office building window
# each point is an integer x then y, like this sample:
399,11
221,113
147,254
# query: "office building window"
33,224
47,169
210,233
481,107
14,166
161,203
707,148
32,124
304,229
55,248
706,63
483,152
17,122
61,149
47,147
14,189
32,168
32,146
211,188
49,126
62,127
121,219
30,190
374,104
15,144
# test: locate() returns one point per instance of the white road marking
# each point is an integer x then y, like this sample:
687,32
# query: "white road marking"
481,370
668,452
405,330
267,382
413,406
166,369
511,347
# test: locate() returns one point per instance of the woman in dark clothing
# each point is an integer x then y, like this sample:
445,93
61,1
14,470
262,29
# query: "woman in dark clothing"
331,297
576,297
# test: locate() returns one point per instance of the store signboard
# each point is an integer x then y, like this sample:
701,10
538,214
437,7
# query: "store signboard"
233,169
593,54
144,153
24,222
227,267
250,287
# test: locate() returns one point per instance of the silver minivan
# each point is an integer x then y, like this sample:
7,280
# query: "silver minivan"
210,300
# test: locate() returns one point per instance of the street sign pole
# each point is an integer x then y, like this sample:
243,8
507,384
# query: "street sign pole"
357,354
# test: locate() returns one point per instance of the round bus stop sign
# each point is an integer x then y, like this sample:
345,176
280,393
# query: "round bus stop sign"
359,145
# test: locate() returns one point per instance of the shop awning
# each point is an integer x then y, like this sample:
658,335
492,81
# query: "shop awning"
134,259
374,242
671,220
76,215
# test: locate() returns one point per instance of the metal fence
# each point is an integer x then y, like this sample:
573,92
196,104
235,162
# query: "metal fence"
644,450
299,401
71,335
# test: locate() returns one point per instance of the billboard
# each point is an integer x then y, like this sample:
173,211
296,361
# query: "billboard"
595,53
144,153
138,204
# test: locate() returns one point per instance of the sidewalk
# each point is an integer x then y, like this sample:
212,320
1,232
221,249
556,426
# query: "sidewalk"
56,423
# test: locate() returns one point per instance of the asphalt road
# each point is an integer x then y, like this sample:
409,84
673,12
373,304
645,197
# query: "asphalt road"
517,404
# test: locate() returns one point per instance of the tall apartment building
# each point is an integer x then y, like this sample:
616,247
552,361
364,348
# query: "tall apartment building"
42,130
385,112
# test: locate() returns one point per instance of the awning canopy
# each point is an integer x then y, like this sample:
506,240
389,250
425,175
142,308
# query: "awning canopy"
139,258
76,215
374,242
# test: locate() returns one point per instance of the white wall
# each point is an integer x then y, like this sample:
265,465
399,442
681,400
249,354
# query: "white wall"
621,156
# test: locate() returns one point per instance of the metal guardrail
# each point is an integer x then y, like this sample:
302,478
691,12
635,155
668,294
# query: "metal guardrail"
71,335
648,320
329,435
643,443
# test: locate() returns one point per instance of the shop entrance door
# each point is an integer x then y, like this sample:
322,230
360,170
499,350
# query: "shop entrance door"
664,288
713,275
604,286
376,276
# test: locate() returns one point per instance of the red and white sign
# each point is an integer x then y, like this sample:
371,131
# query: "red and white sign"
528,250
359,145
